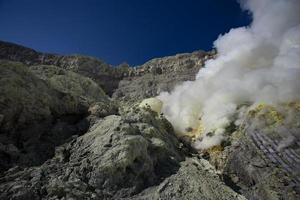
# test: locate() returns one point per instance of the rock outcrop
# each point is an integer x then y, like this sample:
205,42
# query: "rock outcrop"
41,107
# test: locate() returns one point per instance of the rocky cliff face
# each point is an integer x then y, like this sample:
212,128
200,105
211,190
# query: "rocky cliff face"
71,128
97,70
112,79
160,74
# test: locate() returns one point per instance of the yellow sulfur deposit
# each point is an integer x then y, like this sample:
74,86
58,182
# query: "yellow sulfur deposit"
267,112
195,133
294,105
215,150
152,103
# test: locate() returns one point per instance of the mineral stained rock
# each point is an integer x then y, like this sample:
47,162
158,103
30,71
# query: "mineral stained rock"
152,103
255,163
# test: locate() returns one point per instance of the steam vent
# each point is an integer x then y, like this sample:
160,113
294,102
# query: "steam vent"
218,124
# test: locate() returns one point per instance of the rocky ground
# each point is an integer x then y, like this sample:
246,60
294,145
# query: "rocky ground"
71,128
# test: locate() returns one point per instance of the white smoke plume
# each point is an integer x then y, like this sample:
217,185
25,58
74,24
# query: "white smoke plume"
259,63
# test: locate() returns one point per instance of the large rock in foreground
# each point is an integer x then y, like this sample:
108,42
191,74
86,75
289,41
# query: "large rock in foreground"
118,157
133,156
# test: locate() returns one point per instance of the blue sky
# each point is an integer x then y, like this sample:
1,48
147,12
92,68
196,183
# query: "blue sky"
117,31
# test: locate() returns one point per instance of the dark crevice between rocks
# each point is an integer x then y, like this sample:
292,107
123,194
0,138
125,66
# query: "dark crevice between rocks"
64,128
164,166
230,183
5,160
166,169
161,171
36,143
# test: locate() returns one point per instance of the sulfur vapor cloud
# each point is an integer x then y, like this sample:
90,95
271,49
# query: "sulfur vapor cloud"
259,63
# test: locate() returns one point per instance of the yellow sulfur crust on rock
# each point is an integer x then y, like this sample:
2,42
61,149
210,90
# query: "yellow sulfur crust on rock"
197,132
294,104
152,103
267,112
192,133
215,149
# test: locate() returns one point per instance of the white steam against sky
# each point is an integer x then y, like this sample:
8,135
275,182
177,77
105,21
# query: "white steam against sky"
259,63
